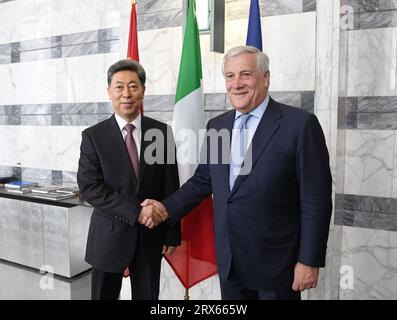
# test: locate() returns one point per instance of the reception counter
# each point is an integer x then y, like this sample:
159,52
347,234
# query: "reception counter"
44,234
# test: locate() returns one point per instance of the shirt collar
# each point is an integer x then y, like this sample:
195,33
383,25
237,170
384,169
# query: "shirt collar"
258,111
136,122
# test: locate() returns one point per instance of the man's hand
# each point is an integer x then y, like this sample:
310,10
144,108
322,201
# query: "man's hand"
305,277
160,213
152,214
147,216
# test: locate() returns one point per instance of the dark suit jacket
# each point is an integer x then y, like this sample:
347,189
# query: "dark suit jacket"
276,215
107,181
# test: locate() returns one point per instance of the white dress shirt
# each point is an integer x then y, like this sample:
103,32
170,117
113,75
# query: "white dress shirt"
136,133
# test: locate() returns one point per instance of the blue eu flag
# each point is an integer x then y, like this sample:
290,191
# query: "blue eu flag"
254,33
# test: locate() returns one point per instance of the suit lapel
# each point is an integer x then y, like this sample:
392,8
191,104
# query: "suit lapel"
228,125
267,127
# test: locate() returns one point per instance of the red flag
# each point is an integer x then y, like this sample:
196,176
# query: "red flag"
194,260
132,52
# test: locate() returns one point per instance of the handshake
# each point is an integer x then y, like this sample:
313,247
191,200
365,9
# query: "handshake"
152,214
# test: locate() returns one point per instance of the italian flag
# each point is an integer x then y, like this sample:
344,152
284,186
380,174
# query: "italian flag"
194,260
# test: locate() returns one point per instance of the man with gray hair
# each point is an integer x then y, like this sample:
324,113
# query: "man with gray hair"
272,221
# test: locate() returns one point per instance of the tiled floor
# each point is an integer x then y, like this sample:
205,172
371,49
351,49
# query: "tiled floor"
22,283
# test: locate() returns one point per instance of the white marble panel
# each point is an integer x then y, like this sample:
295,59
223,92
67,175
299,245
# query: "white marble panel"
7,84
7,18
208,63
37,19
35,82
37,147
394,191
289,41
281,35
8,145
340,161
177,40
329,121
373,256
369,162
327,56
68,147
372,62
33,19
83,79
156,57
343,58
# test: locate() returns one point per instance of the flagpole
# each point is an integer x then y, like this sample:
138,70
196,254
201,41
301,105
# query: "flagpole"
187,270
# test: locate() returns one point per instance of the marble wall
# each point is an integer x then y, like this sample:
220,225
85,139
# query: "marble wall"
53,60
365,212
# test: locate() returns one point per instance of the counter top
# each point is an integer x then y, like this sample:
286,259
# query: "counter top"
66,203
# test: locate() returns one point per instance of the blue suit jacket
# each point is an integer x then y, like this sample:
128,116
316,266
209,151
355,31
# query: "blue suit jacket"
276,215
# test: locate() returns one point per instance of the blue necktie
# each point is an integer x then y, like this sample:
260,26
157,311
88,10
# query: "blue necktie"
242,136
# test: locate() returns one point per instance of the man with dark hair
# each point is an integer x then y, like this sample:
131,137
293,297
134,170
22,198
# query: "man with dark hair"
114,177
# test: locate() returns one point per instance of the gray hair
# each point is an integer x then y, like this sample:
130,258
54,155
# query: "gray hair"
127,65
262,59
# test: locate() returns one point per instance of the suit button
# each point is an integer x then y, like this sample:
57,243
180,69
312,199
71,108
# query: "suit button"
230,201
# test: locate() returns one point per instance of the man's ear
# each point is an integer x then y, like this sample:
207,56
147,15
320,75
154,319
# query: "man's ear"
267,79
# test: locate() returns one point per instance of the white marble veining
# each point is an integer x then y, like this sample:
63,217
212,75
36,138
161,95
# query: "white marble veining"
66,80
340,161
68,147
32,150
7,84
394,190
281,35
156,56
328,121
327,55
45,147
369,162
7,18
36,19
208,64
325,107
343,58
8,145
373,256
372,62
83,79
35,82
